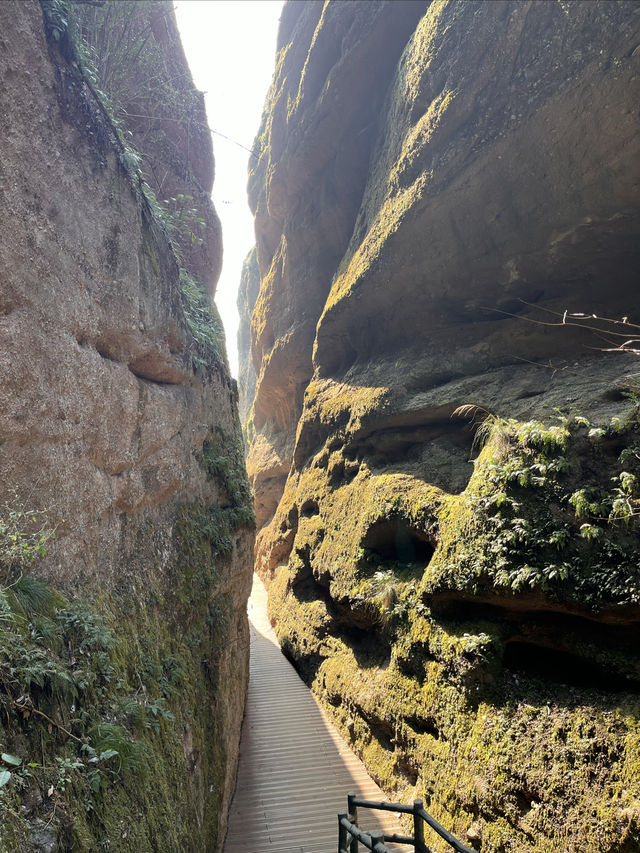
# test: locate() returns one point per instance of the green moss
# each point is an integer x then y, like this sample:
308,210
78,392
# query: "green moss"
204,324
151,252
70,684
548,508
108,702
417,663
222,459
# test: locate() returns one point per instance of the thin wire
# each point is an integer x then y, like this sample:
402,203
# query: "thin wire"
196,124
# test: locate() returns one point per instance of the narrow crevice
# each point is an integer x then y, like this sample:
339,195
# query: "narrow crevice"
561,667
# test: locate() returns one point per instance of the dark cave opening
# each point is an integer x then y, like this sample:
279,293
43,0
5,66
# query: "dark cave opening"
562,667
393,540
309,508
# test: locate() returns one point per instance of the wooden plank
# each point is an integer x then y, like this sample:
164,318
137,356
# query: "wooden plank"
295,769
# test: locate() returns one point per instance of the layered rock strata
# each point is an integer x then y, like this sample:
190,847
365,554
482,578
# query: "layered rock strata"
445,194
124,654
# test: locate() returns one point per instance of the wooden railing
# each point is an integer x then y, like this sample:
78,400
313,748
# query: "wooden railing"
350,836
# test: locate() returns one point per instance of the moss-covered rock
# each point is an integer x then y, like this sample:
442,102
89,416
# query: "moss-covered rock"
118,706
480,649
431,248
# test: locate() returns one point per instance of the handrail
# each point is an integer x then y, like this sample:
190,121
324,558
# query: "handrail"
372,841
348,826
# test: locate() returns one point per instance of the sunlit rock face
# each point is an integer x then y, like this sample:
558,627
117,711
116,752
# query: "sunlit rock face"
247,295
451,565
119,423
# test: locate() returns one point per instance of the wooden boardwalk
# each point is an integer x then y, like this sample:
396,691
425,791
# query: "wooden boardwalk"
295,769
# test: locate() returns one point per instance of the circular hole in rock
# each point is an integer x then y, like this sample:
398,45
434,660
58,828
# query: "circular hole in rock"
309,508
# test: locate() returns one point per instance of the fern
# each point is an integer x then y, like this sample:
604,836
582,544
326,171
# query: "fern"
32,597
483,420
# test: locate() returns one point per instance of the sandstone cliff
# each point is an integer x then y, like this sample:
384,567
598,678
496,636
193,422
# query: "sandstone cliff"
124,652
437,185
247,295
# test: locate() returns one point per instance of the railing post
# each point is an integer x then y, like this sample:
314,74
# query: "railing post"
418,828
353,817
342,833
376,837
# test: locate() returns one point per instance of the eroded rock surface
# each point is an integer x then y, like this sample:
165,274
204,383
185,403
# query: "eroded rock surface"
247,295
437,185
119,427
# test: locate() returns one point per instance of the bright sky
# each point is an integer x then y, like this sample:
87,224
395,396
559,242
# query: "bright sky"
230,46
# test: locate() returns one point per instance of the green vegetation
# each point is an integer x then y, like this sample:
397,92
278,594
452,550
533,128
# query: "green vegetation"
100,697
543,516
24,534
222,459
204,324
120,60
119,39
64,25
57,670
141,86
495,677
111,46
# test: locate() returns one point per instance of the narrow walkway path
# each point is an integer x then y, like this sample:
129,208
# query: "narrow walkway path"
295,769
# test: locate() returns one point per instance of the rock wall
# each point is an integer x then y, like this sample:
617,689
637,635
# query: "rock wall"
445,194
247,295
124,656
